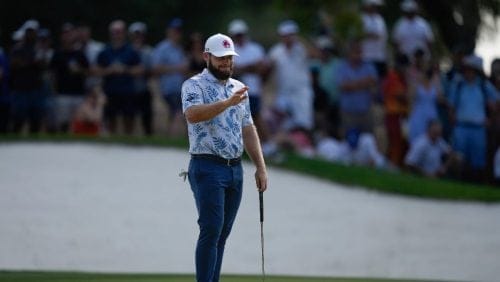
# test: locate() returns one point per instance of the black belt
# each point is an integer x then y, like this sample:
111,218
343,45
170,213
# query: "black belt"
229,162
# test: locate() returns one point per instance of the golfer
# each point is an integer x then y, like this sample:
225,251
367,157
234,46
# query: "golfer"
220,125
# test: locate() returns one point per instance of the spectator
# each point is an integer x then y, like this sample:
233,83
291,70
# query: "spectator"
5,98
357,148
289,59
119,64
326,69
170,64
44,46
494,116
470,100
357,81
249,67
395,96
26,74
374,43
412,32
137,33
424,95
453,73
69,67
45,52
91,48
430,155
448,79
417,68
297,140
89,114
195,51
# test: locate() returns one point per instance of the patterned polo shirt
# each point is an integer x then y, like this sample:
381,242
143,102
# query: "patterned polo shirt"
222,135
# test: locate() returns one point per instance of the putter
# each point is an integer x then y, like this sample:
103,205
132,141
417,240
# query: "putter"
261,204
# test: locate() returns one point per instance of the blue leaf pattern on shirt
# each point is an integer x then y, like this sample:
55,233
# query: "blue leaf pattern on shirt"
190,97
220,144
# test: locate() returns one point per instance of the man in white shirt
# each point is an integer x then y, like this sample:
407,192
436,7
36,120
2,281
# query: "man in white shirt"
289,58
429,155
412,32
374,44
358,148
249,66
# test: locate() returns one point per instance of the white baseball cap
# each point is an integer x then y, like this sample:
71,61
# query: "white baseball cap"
220,45
31,24
137,27
288,27
237,26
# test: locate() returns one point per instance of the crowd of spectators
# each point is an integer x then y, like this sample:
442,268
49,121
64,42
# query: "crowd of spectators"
383,99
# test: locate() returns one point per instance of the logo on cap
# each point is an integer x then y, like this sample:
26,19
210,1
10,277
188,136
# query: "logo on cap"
226,44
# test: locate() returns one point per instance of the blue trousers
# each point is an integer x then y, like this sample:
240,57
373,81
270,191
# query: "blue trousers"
217,190
471,142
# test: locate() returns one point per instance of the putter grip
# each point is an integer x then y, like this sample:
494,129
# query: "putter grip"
261,204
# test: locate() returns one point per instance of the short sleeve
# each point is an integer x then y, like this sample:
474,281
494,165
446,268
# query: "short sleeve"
247,116
192,95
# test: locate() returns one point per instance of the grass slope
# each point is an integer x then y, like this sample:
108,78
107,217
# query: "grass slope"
383,181
94,277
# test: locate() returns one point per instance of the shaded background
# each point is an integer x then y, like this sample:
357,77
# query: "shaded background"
455,21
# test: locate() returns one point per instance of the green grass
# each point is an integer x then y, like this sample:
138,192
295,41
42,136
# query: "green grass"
393,182
95,277
382,181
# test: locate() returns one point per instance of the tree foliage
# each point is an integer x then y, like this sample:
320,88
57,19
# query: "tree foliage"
457,21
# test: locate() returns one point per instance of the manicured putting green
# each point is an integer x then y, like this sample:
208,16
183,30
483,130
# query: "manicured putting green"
94,277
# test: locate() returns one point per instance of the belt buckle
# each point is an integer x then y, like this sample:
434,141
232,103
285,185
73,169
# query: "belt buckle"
228,162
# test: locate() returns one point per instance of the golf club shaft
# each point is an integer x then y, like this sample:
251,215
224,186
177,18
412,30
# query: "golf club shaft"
261,204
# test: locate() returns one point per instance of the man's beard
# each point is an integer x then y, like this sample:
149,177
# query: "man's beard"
220,75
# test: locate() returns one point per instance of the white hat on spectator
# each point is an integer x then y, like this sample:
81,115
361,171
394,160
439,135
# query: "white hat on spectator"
409,6
31,24
373,2
137,27
238,26
220,45
288,27
473,61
